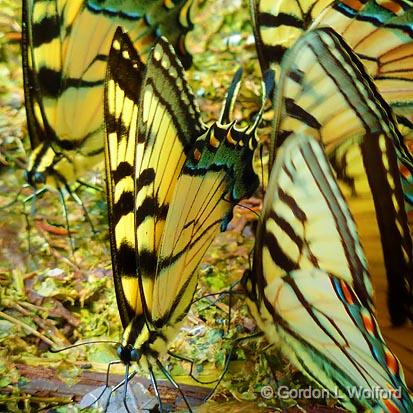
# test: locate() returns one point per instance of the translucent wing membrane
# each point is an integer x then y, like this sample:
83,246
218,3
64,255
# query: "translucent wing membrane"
381,34
172,183
309,284
65,47
335,180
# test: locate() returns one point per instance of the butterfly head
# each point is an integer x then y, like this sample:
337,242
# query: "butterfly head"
47,167
128,354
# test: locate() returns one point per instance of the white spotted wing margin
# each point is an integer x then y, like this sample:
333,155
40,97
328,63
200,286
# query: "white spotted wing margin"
309,288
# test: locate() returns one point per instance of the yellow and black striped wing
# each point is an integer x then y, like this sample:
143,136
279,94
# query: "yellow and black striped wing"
325,93
309,287
381,34
215,177
65,48
277,25
151,124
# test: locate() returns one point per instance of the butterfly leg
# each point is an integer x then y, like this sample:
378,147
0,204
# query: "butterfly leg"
77,199
174,383
155,388
65,214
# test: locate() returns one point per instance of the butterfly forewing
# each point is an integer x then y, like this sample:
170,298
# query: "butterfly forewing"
124,79
168,125
172,185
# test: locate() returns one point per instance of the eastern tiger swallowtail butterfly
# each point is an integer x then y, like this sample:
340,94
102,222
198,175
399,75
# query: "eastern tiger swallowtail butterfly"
309,279
380,33
309,288
171,185
65,47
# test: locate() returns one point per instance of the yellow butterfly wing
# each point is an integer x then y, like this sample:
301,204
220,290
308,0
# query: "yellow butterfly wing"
277,25
309,288
381,34
325,93
146,147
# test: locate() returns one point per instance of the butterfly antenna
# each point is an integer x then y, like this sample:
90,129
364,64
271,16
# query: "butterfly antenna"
83,343
174,383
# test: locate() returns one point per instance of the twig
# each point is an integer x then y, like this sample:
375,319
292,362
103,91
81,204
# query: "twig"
28,328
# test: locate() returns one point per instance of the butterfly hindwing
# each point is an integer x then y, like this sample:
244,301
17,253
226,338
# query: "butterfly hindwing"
381,34
278,24
310,284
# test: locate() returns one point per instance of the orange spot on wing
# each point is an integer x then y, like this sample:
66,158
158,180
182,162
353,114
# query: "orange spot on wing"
391,406
347,293
392,6
392,362
404,171
354,4
197,155
368,323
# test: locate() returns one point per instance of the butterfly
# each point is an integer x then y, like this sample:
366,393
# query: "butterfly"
381,35
334,187
65,47
309,288
171,185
